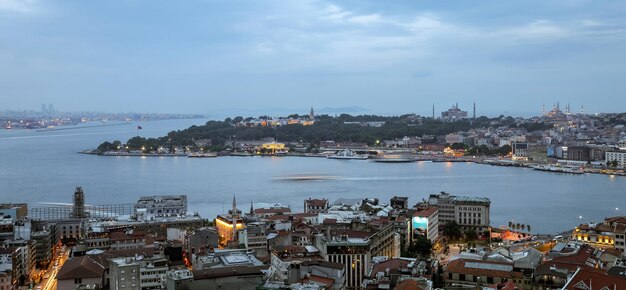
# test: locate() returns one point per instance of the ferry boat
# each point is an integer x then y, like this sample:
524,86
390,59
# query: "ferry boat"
559,169
395,158
202,155
347,154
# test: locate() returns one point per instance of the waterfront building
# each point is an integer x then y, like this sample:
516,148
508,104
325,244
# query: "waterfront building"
163,205
519,151
468,212
425,222
619,156
316,205
274,148
137,273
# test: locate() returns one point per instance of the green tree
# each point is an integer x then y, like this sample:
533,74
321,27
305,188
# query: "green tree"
471,235
505,150
458,146
420,247
452,231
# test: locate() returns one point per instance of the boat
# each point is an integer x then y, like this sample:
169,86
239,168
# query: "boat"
202,155
559,169
395,158
347,154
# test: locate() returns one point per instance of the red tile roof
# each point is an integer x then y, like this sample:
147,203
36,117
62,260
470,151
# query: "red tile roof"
314,279
80,267
278,210
586,279
459,266
408,284
316,202
389,264
425,212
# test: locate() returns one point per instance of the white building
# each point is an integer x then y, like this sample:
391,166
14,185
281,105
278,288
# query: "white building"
468,212
619,156
135,273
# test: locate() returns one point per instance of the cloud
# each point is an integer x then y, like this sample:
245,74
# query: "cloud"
21,6
365,19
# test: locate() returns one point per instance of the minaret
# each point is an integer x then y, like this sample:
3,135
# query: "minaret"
474,117
79,203
234,216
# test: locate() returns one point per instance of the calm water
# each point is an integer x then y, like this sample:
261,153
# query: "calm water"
44,167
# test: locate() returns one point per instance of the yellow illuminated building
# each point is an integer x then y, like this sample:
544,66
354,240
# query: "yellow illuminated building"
274,147
224,225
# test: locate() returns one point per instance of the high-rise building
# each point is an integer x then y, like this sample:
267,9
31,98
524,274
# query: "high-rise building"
79,204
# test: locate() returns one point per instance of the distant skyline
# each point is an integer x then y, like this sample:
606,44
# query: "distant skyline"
269,57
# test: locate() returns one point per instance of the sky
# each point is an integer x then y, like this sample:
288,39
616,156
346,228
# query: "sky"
268,57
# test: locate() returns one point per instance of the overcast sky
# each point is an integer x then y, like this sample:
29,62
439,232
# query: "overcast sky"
256,57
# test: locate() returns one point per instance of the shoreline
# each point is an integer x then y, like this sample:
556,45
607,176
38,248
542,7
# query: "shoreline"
437,159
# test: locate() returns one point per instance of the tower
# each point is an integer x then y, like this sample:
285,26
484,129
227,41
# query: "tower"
474,116
251,208
311,114
543,108
433,111
79,203
234,217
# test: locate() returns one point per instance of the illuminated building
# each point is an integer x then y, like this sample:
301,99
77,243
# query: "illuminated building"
228,225
609,234
274,148
79,204
519,151
425,222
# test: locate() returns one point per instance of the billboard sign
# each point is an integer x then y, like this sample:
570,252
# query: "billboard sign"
419,226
